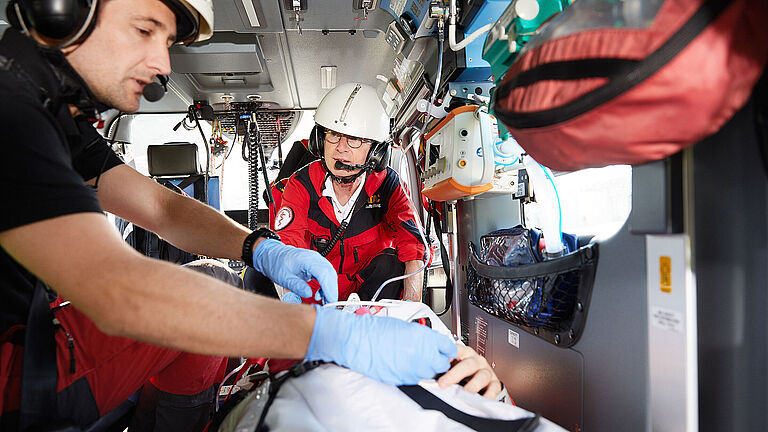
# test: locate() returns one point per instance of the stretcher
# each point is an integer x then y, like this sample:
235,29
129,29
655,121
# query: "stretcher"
325,397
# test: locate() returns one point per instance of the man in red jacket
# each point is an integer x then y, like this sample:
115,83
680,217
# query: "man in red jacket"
348,205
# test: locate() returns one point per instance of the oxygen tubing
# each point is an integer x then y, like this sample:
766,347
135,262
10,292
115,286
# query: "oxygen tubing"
546,195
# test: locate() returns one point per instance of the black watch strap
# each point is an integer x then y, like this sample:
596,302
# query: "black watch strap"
250,240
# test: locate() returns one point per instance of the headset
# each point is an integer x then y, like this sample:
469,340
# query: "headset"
378,155
62,21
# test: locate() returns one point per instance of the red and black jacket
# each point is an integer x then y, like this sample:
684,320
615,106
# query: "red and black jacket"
386,220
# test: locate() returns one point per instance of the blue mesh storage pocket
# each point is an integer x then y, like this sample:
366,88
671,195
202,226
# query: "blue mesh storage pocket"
548,299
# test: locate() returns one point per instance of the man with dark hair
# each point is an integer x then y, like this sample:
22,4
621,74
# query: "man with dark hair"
132,317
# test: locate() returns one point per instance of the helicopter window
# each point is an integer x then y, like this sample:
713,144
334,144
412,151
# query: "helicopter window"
594,202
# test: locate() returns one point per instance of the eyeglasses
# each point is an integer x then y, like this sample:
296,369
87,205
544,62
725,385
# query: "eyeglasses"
354,142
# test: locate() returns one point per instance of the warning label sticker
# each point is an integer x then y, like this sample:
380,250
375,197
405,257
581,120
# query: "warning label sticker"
513,338
481,329
667,319
665,274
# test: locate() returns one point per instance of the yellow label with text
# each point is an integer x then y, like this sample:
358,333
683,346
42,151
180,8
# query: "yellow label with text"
665,274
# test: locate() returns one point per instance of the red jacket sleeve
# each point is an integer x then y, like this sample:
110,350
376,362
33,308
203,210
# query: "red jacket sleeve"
291,220
401,219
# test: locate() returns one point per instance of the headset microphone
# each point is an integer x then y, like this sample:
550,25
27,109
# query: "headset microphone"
155,91
346,167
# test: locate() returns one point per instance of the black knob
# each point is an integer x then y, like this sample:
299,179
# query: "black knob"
408,24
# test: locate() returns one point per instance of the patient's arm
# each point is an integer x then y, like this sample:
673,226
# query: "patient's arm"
412,285
475,368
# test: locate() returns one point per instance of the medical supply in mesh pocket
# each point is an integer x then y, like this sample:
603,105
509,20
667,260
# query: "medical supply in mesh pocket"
507,278
511,247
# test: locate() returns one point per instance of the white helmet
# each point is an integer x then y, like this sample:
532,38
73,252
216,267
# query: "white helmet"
354,109
66,23
194,19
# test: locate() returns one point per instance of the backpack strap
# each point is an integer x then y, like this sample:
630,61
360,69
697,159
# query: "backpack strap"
444,257
297,370
429,401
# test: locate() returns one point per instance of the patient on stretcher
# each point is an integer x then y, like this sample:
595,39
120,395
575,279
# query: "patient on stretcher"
316,396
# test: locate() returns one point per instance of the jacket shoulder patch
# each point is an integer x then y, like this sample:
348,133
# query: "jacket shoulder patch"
283,218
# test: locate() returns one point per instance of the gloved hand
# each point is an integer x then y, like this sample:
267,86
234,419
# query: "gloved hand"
290,297
292,268
386,349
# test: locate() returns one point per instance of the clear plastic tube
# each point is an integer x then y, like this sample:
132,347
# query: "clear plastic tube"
546,197
550,176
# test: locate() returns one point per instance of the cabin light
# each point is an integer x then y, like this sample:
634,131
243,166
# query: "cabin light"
327,77
251,12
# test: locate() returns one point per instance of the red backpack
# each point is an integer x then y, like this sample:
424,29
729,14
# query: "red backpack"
581,96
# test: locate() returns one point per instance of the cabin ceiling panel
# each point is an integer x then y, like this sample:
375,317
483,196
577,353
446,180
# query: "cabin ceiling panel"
242,16
234,66
351,54
334,15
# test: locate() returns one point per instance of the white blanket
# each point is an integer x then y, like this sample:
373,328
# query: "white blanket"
332,398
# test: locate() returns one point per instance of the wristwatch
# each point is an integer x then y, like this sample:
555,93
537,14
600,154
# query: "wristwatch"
250,240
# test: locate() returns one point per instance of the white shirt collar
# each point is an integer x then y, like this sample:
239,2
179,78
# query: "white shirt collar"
342,211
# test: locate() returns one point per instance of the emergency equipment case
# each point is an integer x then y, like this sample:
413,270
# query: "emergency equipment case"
630,82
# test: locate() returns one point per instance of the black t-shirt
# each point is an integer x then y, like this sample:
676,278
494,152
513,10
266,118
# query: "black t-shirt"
46,161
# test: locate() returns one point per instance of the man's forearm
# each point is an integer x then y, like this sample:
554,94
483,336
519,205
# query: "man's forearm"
210,317
412,285
82,257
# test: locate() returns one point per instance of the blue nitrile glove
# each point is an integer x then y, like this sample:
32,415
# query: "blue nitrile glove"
290,297
292,268
386,349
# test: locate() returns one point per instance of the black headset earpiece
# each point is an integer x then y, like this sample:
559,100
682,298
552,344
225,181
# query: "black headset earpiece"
378,155
317,141
60,20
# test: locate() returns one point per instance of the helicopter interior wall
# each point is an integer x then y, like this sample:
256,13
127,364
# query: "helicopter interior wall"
351,54
601,382
547,381
730,225
290,62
